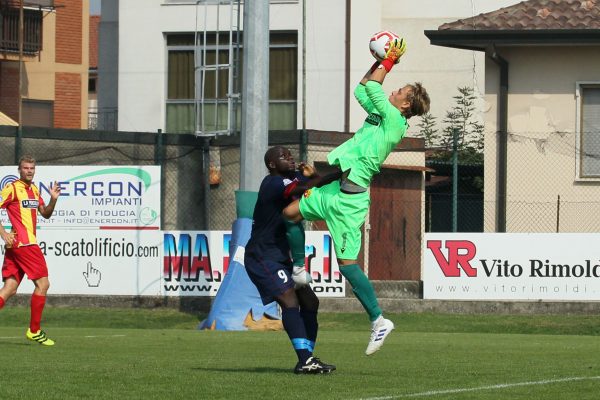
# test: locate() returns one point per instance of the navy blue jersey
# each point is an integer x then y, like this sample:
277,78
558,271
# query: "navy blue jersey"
268,240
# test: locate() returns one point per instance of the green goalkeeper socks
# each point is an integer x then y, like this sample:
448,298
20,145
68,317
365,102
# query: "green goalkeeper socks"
363,289
295,237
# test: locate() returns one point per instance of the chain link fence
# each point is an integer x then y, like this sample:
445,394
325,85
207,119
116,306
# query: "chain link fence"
547,190
552,184
183,181
179,157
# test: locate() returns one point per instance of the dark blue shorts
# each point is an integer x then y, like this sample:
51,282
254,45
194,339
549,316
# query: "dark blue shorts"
270,278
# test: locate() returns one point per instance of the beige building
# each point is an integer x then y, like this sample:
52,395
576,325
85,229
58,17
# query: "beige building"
542,114
53,84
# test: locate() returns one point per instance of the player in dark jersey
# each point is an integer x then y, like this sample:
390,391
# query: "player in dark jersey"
267,257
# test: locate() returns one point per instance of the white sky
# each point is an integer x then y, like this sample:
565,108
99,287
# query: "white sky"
95,7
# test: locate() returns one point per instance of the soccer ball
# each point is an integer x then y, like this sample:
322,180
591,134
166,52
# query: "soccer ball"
380,43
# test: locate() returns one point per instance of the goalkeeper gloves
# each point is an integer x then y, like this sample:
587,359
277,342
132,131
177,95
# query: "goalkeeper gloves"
392,57
300,276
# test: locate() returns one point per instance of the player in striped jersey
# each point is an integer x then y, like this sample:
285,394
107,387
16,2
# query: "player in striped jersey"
23,256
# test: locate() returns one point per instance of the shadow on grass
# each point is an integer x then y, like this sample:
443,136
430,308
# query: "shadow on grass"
261,370
6,343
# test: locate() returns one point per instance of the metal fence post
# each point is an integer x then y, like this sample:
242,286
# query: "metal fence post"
304,145
18,139
558,214
18,143
206,180
158,148
455,180
158,160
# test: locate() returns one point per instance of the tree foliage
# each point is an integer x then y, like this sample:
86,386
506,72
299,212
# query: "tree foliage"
428,131
462,119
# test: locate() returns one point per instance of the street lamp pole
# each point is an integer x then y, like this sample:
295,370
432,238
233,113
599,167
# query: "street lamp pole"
20,127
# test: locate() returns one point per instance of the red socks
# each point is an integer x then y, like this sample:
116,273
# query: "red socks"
37,307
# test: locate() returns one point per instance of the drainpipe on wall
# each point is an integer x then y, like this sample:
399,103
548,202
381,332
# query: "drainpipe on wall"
19,138
304,136
502,140
206,181
347,69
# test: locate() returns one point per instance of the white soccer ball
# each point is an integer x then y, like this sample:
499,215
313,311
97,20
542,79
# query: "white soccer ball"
380,44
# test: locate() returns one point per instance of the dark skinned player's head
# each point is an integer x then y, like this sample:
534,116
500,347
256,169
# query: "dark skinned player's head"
279,161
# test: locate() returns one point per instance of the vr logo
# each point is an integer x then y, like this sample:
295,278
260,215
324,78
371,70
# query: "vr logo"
460,252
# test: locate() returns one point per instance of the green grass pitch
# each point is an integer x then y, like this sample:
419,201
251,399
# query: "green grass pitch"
158,354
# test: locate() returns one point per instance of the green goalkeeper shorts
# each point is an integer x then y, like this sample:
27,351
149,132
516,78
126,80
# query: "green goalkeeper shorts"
344,213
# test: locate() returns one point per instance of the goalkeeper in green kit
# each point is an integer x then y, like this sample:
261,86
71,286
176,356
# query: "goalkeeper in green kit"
344,204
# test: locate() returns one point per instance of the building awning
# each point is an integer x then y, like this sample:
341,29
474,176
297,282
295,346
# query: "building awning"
6,120
480,40
39,3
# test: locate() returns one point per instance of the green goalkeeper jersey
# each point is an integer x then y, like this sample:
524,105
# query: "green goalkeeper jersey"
383,129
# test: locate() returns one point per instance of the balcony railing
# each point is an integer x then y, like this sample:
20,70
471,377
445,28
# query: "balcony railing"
104,119
9,30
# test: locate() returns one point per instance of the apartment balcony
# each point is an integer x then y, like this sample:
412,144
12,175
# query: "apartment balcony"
104,119
9,28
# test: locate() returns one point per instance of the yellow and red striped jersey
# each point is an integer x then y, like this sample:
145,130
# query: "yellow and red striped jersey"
21,202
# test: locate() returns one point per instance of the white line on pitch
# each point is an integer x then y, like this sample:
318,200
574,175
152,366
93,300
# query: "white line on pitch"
95,336
491,387
87,336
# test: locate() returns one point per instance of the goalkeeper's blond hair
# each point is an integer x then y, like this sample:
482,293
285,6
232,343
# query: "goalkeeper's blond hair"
419,101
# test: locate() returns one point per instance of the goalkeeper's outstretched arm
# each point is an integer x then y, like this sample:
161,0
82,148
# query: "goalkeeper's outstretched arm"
368,74
378,75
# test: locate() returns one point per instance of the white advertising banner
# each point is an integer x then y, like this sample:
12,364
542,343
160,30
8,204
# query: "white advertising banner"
511,266
156,263
97,197
101,262
195,263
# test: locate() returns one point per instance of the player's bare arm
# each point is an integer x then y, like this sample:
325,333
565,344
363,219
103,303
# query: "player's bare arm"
47,210
315,180
367,76
8,237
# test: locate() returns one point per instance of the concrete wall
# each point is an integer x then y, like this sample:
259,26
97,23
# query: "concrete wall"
325,66
441,70
142,55
542,139
108,58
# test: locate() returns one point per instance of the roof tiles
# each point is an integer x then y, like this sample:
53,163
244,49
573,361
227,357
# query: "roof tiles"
535,14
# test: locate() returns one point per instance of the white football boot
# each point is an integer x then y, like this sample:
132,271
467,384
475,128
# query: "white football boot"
381,329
